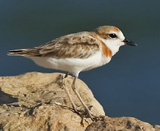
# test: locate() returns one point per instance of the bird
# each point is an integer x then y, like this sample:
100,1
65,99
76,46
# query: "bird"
77,52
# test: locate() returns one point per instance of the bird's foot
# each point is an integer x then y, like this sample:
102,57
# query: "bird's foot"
84,114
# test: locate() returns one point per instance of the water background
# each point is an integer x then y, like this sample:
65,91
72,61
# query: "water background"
130,84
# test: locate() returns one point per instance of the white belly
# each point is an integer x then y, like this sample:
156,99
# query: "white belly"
72,65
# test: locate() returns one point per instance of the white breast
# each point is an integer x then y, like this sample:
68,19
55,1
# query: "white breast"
72,65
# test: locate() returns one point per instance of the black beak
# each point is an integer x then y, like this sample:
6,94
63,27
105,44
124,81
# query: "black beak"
128,42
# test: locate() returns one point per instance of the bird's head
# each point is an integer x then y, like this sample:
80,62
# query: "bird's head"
113,37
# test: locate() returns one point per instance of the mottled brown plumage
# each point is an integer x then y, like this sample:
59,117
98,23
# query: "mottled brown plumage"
78,45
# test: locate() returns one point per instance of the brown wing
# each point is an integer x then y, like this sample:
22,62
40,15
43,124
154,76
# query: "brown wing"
78,45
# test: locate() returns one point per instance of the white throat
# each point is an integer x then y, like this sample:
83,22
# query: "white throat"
114,47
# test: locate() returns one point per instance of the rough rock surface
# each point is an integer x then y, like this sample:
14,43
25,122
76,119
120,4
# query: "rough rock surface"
37,102
121,124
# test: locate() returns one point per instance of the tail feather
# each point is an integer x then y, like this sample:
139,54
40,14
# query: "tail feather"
19,52
30,52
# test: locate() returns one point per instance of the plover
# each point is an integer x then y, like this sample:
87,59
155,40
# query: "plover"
77,52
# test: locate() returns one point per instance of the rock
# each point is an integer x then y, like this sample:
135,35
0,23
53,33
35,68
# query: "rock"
121,124
37,102
32,103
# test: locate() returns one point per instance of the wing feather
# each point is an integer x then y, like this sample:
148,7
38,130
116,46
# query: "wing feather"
78,45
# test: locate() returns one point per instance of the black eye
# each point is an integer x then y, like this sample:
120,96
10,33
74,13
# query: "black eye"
112,35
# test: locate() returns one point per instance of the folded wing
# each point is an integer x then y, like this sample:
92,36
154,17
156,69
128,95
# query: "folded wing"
78,45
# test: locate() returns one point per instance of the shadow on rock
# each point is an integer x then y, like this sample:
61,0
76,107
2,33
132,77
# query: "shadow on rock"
6,98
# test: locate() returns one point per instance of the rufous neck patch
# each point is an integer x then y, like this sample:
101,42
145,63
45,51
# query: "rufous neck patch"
106,51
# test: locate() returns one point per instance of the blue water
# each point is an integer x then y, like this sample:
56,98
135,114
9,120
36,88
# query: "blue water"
129,84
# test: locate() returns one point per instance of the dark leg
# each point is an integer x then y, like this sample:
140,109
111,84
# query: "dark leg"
66,75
